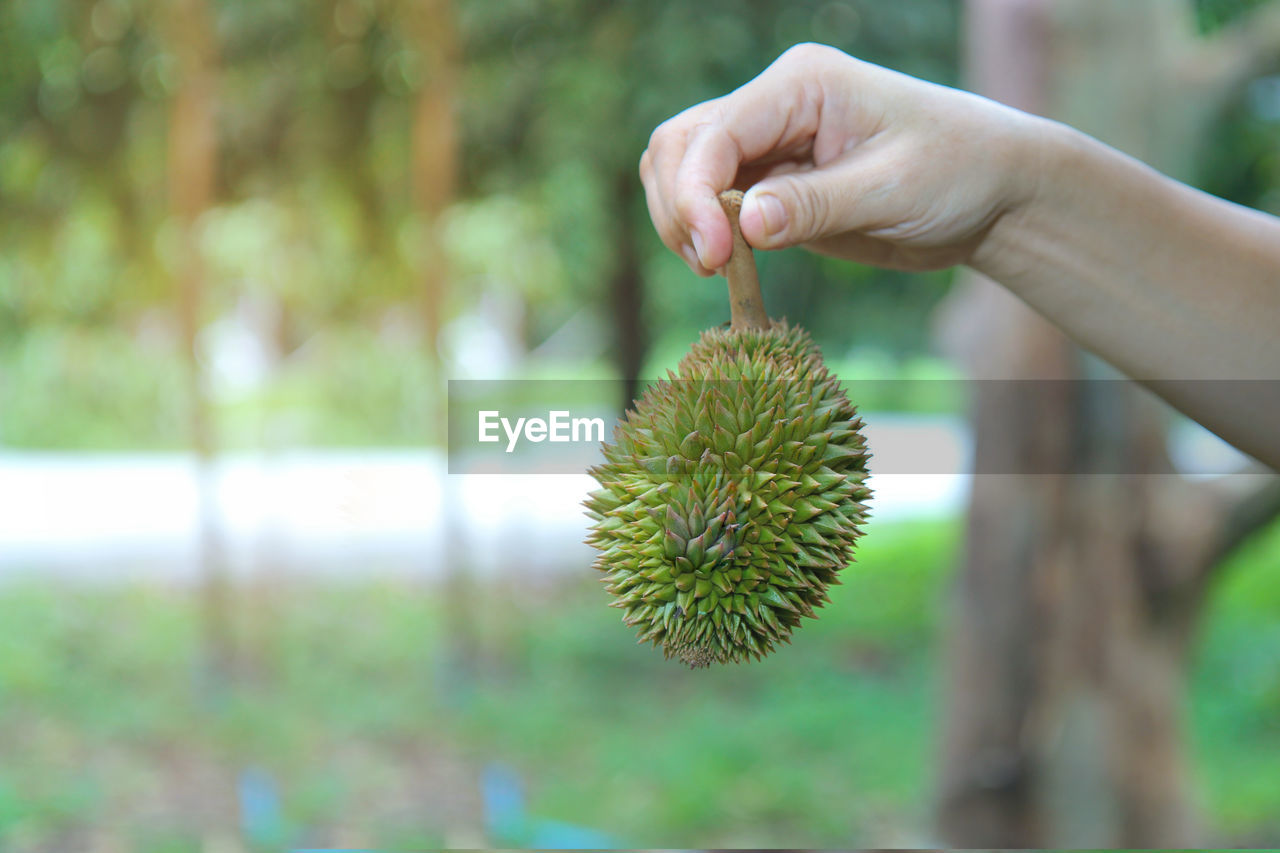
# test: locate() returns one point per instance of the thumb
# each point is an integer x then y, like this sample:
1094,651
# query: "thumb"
797,207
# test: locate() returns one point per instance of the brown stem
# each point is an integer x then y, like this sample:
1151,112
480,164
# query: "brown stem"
746,306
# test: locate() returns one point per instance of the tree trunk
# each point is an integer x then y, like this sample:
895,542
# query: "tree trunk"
435,154
192,170
1073,608
433,25
191,176
628,290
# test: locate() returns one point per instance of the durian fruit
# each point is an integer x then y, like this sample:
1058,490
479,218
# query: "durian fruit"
734,491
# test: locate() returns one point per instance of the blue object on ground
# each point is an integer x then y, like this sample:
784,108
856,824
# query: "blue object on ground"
261,821
506,820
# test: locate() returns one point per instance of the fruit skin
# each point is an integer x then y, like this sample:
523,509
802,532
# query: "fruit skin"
731,496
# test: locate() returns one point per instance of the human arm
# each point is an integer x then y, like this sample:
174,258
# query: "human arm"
1174,287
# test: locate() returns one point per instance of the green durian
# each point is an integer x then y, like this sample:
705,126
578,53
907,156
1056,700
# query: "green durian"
733,493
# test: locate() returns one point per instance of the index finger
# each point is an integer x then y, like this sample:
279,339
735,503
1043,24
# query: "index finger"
776,113
709,166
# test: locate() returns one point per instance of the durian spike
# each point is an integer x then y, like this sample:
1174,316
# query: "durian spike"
746,306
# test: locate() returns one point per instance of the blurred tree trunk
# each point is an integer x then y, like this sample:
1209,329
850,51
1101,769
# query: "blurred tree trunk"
350,138
433,25
1074,607
628,288
192,171
435,151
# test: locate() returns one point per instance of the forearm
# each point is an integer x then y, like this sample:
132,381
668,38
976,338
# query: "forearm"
1175,288
1172,286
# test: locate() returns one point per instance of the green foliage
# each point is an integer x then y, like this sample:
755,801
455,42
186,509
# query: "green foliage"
313,213
79,387
1240,161
1212,15
823,743
346,387
345,694
109,711
1236,689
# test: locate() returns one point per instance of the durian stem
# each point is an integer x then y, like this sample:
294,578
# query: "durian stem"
746,306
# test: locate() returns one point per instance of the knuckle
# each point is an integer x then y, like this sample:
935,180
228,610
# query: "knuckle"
808,51
663,133
677,129
653,148
686,204
811,211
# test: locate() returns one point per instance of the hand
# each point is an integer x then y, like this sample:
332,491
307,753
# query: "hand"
843,157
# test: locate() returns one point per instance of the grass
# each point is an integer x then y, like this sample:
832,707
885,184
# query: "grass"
374,716
825,741
1235,693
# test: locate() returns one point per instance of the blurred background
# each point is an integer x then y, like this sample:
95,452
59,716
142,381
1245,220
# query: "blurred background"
243,246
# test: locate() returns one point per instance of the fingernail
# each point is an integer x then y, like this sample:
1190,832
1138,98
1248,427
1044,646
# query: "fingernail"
772,214
691,257
697,243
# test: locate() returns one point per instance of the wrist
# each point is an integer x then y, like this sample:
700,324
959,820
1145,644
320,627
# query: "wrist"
1042,156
